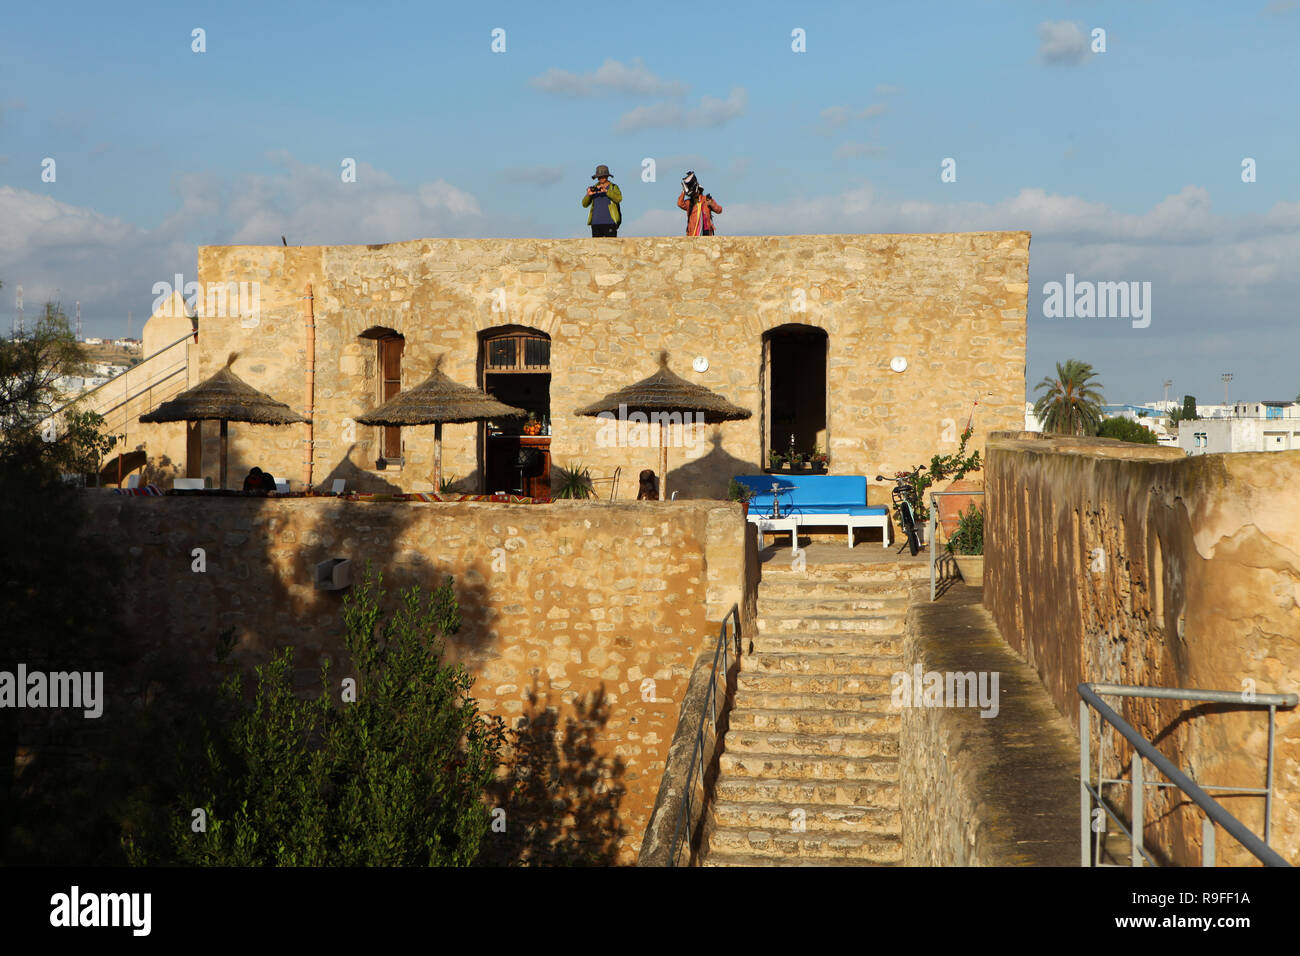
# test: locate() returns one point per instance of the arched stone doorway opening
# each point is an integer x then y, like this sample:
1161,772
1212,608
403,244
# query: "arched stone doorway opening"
794,391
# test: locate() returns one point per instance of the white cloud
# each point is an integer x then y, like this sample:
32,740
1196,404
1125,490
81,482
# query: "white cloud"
710,113
535,175
111,265
833,117
612,77
1062,42
848,150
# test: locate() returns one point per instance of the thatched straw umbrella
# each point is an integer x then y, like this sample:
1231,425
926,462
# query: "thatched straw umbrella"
666,392
438,401
224,397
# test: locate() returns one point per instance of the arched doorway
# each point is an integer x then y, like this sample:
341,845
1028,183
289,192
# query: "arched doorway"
794,393
515,368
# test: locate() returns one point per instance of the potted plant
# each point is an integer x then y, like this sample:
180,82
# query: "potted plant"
775,460
820,461
739,492
956,466
573,483
967,546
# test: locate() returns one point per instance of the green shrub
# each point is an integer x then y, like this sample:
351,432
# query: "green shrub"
968,539
1125,429
395,777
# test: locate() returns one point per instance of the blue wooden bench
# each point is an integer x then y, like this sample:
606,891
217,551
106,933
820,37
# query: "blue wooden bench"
815,500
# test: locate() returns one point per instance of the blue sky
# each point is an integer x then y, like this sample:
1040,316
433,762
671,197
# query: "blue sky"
1125,165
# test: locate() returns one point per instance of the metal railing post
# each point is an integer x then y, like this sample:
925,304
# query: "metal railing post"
1085,799
1143,749
1268,772
1135,853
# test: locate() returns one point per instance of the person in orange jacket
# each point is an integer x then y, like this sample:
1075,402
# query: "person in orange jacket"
700,207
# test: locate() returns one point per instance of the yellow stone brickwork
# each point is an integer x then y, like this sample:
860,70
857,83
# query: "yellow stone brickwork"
952,305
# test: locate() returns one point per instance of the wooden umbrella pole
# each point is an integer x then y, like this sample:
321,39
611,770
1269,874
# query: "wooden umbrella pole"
663,460
437,458
224,440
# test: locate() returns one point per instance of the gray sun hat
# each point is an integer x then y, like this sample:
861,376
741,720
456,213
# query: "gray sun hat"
601,171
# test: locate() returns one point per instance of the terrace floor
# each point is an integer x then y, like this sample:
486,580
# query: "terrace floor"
838,552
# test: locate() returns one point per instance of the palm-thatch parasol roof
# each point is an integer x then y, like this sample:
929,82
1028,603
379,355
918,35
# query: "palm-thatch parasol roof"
438,401
224,397
665,391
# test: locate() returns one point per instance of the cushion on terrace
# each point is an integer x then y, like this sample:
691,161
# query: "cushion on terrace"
811,494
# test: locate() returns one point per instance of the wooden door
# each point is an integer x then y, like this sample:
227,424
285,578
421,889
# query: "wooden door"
390,365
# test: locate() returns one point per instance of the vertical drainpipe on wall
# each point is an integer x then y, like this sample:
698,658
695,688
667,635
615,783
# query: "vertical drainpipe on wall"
309,400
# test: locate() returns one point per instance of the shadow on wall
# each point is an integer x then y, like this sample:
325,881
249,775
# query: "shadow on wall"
707,476
357,479
560,795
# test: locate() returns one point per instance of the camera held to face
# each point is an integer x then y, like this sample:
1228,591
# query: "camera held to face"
690,185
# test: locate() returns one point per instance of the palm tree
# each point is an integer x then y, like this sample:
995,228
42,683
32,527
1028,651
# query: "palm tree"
1072,402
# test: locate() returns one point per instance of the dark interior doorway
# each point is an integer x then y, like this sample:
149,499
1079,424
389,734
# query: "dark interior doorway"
794,362
515,368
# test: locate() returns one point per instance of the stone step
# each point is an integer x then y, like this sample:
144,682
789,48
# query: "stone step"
858,622
790,604
765,662
850,685
816,817
808,793
830,642
748,861
744,719
795,766
811,844
800,745
862,575
787,699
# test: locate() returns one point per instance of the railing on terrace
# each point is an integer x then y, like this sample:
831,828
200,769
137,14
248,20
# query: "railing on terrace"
1090,840
160,384
932,536
126,376
728,632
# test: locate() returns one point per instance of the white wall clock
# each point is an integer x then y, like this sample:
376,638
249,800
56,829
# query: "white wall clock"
898,363
701,364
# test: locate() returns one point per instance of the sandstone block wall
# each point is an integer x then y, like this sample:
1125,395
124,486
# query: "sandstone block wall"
1133,565
996,790
952,305
595,611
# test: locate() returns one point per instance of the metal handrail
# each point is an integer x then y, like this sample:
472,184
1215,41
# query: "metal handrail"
1144,749
182,367
147,358
933,531
710,710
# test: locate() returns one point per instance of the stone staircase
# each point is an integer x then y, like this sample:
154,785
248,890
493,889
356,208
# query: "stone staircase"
812,738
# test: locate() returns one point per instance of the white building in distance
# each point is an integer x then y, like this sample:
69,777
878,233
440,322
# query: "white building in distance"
1243,426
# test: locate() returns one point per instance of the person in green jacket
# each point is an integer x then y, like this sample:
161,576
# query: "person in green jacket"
603,198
